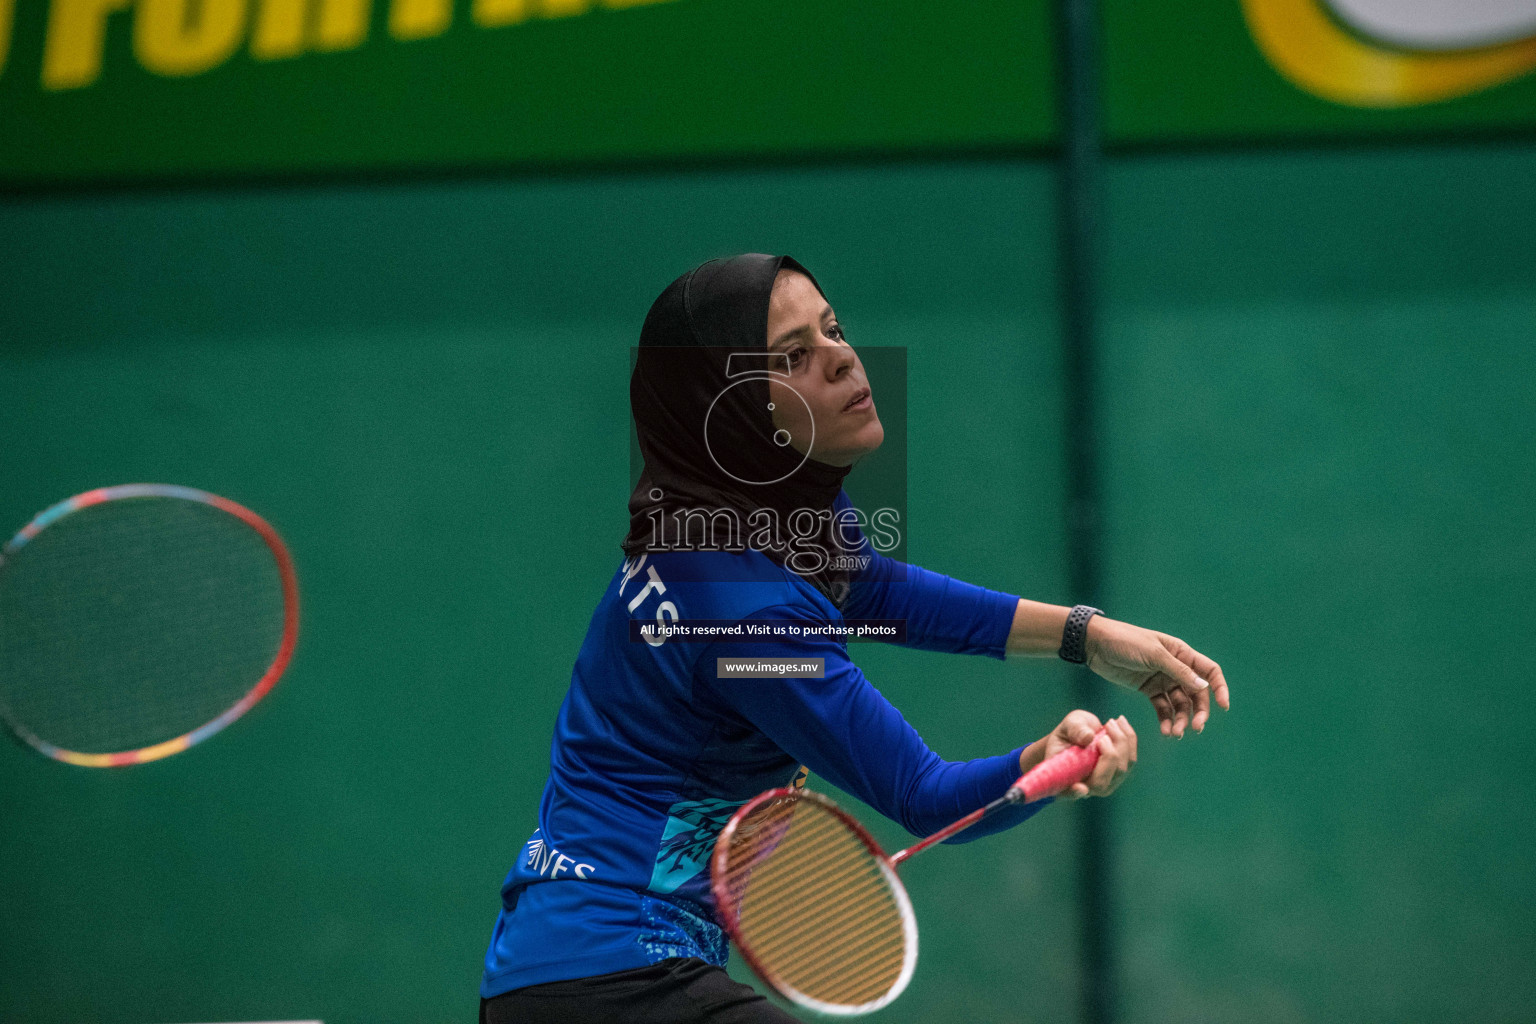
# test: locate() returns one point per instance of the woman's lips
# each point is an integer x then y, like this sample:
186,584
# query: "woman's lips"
860,401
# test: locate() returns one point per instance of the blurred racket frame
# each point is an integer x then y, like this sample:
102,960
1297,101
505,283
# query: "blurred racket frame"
244,696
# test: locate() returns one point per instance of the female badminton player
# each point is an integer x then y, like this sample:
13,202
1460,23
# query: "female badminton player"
751,407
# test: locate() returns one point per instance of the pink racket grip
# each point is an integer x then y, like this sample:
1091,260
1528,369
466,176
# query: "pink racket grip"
1060,771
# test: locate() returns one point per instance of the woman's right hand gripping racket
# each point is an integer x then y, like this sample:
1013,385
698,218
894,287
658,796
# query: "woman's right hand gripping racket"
814,904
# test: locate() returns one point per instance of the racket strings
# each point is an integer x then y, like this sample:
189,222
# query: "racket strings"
814,882
813,906
134,621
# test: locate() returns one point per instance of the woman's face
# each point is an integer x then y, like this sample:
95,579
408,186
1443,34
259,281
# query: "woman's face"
836,422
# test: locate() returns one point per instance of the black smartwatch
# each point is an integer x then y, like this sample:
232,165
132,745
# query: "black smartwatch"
1074,638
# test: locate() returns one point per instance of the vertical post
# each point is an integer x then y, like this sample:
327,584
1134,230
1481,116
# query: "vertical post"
1078,211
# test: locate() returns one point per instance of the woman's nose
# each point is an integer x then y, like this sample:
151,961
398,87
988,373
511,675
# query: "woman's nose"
838,359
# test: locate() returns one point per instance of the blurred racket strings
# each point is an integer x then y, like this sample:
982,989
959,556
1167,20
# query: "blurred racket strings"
130,622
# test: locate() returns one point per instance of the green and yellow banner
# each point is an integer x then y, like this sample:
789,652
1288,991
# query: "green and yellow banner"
128,89
131,88
1244,69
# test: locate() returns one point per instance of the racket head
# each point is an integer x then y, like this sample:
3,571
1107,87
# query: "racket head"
102,588
813,904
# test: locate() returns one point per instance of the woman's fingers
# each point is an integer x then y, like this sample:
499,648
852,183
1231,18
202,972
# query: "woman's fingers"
1079,727
1117,752
1125,742
1192,673
1164,711
1212,673
1179,680
1179,663
1202,702
1210,676
1182,708
1116,745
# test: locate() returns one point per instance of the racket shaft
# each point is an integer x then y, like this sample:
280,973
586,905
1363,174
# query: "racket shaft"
1056,773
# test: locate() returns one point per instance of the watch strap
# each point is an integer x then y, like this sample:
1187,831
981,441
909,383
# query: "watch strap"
1074,636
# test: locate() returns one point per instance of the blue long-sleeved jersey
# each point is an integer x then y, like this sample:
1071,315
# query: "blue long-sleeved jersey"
652,753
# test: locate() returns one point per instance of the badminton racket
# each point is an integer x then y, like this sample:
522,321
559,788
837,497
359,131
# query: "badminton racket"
815,905
136,621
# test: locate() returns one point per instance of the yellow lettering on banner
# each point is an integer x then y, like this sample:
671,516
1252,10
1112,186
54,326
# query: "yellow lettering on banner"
343,24
77,33
6,9
495,13
419,19
279,29
282,27
564,8
185,37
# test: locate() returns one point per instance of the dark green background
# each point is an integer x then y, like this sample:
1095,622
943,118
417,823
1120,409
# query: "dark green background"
1317,380
1317,377
424,387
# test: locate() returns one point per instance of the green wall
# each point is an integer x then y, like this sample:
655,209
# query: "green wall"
1319,383
423,386
1318,388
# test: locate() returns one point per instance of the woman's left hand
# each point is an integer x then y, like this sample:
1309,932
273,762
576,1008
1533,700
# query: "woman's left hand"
1178,679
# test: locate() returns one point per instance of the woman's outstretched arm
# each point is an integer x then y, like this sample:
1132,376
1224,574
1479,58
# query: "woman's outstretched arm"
1178,679
941,613
946,614
843,729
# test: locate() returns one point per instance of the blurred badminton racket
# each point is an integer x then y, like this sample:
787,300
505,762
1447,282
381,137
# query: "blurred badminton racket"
136,621
814,904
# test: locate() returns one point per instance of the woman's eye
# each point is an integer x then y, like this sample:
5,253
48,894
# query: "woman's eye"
795,357
835,332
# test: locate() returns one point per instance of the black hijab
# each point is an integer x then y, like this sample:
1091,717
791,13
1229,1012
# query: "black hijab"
700,400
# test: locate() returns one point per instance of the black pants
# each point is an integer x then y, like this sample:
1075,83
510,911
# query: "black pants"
679,990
